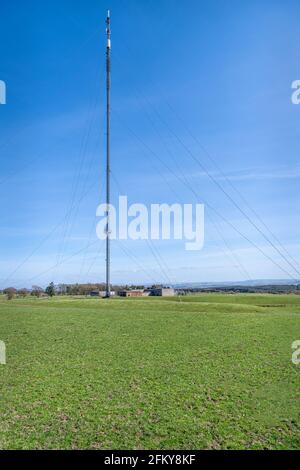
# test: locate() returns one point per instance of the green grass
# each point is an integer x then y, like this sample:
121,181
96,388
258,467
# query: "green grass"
205,372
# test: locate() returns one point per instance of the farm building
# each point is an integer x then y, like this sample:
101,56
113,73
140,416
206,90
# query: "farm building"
162,292
97,293
131,293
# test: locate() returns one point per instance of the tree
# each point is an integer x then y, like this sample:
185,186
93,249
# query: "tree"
37,291
50,290
23,292
10,292
61,289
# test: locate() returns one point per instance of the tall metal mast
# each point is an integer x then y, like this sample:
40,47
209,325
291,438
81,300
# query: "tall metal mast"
108,85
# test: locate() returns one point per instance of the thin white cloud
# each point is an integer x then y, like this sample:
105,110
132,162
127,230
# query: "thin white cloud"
259,174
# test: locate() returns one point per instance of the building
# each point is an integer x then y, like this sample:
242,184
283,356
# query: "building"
97,293
162,292
152,292
131,293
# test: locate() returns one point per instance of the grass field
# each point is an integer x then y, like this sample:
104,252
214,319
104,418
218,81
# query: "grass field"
206,372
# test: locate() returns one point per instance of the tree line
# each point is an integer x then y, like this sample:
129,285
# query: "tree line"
65,289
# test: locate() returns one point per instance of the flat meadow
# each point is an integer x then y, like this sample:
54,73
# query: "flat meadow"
211,371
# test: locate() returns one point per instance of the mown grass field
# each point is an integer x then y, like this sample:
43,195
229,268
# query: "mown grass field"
206,372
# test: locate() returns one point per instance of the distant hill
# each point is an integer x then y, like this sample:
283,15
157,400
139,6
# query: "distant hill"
252,283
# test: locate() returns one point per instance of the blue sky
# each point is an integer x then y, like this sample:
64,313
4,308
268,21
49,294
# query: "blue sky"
220,71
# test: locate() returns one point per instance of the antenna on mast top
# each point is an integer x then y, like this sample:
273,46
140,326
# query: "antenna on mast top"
108,29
